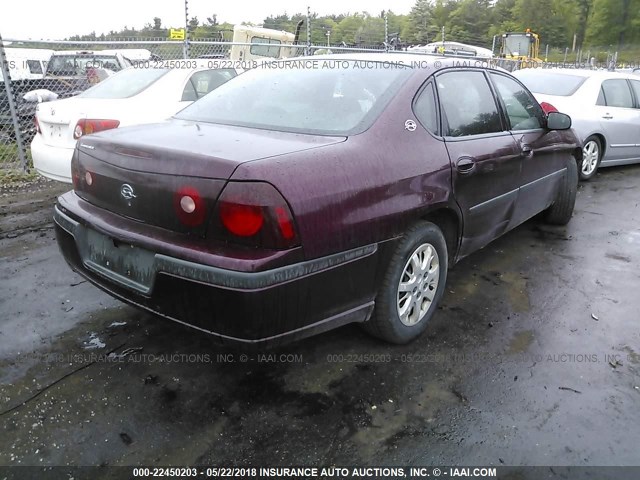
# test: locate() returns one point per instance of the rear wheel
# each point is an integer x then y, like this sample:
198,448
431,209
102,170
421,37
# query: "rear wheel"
560,212
412,285
591,156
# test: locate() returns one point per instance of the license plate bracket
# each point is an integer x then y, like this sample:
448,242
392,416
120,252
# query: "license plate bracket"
123,263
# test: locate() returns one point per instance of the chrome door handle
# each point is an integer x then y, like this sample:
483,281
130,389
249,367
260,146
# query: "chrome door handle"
465,165
526,150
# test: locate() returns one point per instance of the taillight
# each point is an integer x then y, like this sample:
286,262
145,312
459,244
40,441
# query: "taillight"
256,215
75,171
87,126
37,124
189,206
82,179
241,220
547,108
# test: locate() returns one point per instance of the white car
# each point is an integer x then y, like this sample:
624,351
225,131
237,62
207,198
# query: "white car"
133,96
604,108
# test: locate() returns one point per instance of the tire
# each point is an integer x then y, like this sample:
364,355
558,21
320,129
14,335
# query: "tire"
559,213
591,157
396,318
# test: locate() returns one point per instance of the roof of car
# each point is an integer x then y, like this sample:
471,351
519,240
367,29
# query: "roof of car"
416,59
602,74
84,52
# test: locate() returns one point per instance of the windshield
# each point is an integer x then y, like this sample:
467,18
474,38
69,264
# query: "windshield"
78,64
341,100
126,83
516,45
549,83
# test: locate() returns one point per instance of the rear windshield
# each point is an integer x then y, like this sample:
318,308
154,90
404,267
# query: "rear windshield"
125,84
549,83
77,64
343,98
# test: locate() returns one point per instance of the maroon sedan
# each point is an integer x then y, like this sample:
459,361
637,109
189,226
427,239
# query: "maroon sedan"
305,195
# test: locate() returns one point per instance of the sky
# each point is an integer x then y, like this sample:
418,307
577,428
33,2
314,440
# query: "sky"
57,19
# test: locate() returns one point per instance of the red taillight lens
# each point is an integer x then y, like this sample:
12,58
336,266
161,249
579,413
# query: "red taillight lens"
256,215
547,108
82,178
241,220
75,173
189,206
87,126
285,223
37,124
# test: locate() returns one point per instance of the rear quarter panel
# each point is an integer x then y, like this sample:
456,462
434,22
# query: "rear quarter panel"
365,190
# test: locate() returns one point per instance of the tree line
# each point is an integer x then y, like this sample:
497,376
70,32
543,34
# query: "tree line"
560,23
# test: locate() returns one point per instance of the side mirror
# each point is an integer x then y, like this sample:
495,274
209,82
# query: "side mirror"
558,121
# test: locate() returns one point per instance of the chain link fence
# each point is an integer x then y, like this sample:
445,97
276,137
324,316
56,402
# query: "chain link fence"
39,71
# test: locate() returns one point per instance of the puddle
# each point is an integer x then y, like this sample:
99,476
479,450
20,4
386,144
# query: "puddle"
517,291
521,342
94,342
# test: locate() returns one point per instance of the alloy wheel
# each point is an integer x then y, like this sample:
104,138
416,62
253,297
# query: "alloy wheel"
590,154
418,284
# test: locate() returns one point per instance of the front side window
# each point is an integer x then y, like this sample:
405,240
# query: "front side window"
467,104
615,93
523,111
635,84
265,50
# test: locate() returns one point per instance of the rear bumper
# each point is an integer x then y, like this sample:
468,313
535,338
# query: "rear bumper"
273,306
51,162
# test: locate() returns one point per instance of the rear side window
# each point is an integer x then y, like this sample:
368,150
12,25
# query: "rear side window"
550,83
615,93
425,109
523,111
467,104
205,81
126,83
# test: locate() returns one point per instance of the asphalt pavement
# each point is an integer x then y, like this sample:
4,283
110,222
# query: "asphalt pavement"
533,359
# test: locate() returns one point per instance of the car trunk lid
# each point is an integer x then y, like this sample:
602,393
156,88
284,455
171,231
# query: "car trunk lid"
58,119
142,172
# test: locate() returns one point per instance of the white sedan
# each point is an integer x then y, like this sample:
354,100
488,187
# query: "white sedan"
131,97
604,108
